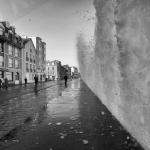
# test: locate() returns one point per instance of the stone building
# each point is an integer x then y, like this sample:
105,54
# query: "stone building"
29,60
40,57
11,45
53,70
74,72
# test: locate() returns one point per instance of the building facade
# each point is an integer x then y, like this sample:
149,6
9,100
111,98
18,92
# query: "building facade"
11,45
74,72
40,57
29,60
53,70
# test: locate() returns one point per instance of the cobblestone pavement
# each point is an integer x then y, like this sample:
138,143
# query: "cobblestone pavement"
18,90
60,118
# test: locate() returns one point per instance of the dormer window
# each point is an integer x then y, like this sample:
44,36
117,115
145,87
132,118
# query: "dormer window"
10,36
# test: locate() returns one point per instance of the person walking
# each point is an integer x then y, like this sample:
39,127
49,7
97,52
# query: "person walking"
25,80
36,81
65,78
0,83
6,82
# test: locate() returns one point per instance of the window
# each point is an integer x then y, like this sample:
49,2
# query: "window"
16,52
30,49
10,63
9,76
40,56
34,67
52,68
16,64
17,76
1,47
1,61
1,74
33,58
27,58
26,65
10,50
40,48
30,66
27,69
27,54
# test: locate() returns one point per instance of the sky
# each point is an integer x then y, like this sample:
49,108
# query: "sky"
57,23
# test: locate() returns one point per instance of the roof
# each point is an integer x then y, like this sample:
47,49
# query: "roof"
26,40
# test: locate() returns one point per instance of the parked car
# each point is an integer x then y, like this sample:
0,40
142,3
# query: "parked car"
3,82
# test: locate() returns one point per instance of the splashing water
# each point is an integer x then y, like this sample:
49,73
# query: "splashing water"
114,62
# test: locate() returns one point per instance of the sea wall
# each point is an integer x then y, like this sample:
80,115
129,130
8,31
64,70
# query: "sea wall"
117,66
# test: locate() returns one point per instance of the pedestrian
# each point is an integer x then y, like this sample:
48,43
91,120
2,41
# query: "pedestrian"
65,78
25,80
6,82
36,81
0,83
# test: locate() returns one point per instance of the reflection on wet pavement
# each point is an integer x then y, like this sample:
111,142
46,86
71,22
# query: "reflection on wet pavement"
69,119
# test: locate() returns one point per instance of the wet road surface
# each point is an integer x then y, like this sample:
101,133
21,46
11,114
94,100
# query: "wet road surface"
18,90
71,118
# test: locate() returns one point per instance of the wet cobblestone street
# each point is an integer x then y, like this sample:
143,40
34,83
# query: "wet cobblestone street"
61,118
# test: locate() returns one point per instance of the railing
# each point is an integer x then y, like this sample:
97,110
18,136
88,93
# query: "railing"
27,59
1,64
17,67
27,69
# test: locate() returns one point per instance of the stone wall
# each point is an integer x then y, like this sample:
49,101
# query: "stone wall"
117,67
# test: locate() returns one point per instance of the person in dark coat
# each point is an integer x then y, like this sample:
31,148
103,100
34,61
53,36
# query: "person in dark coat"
36,81
0,83
65,78
25,80
6,82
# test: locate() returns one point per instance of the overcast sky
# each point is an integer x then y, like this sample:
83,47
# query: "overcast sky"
57,22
